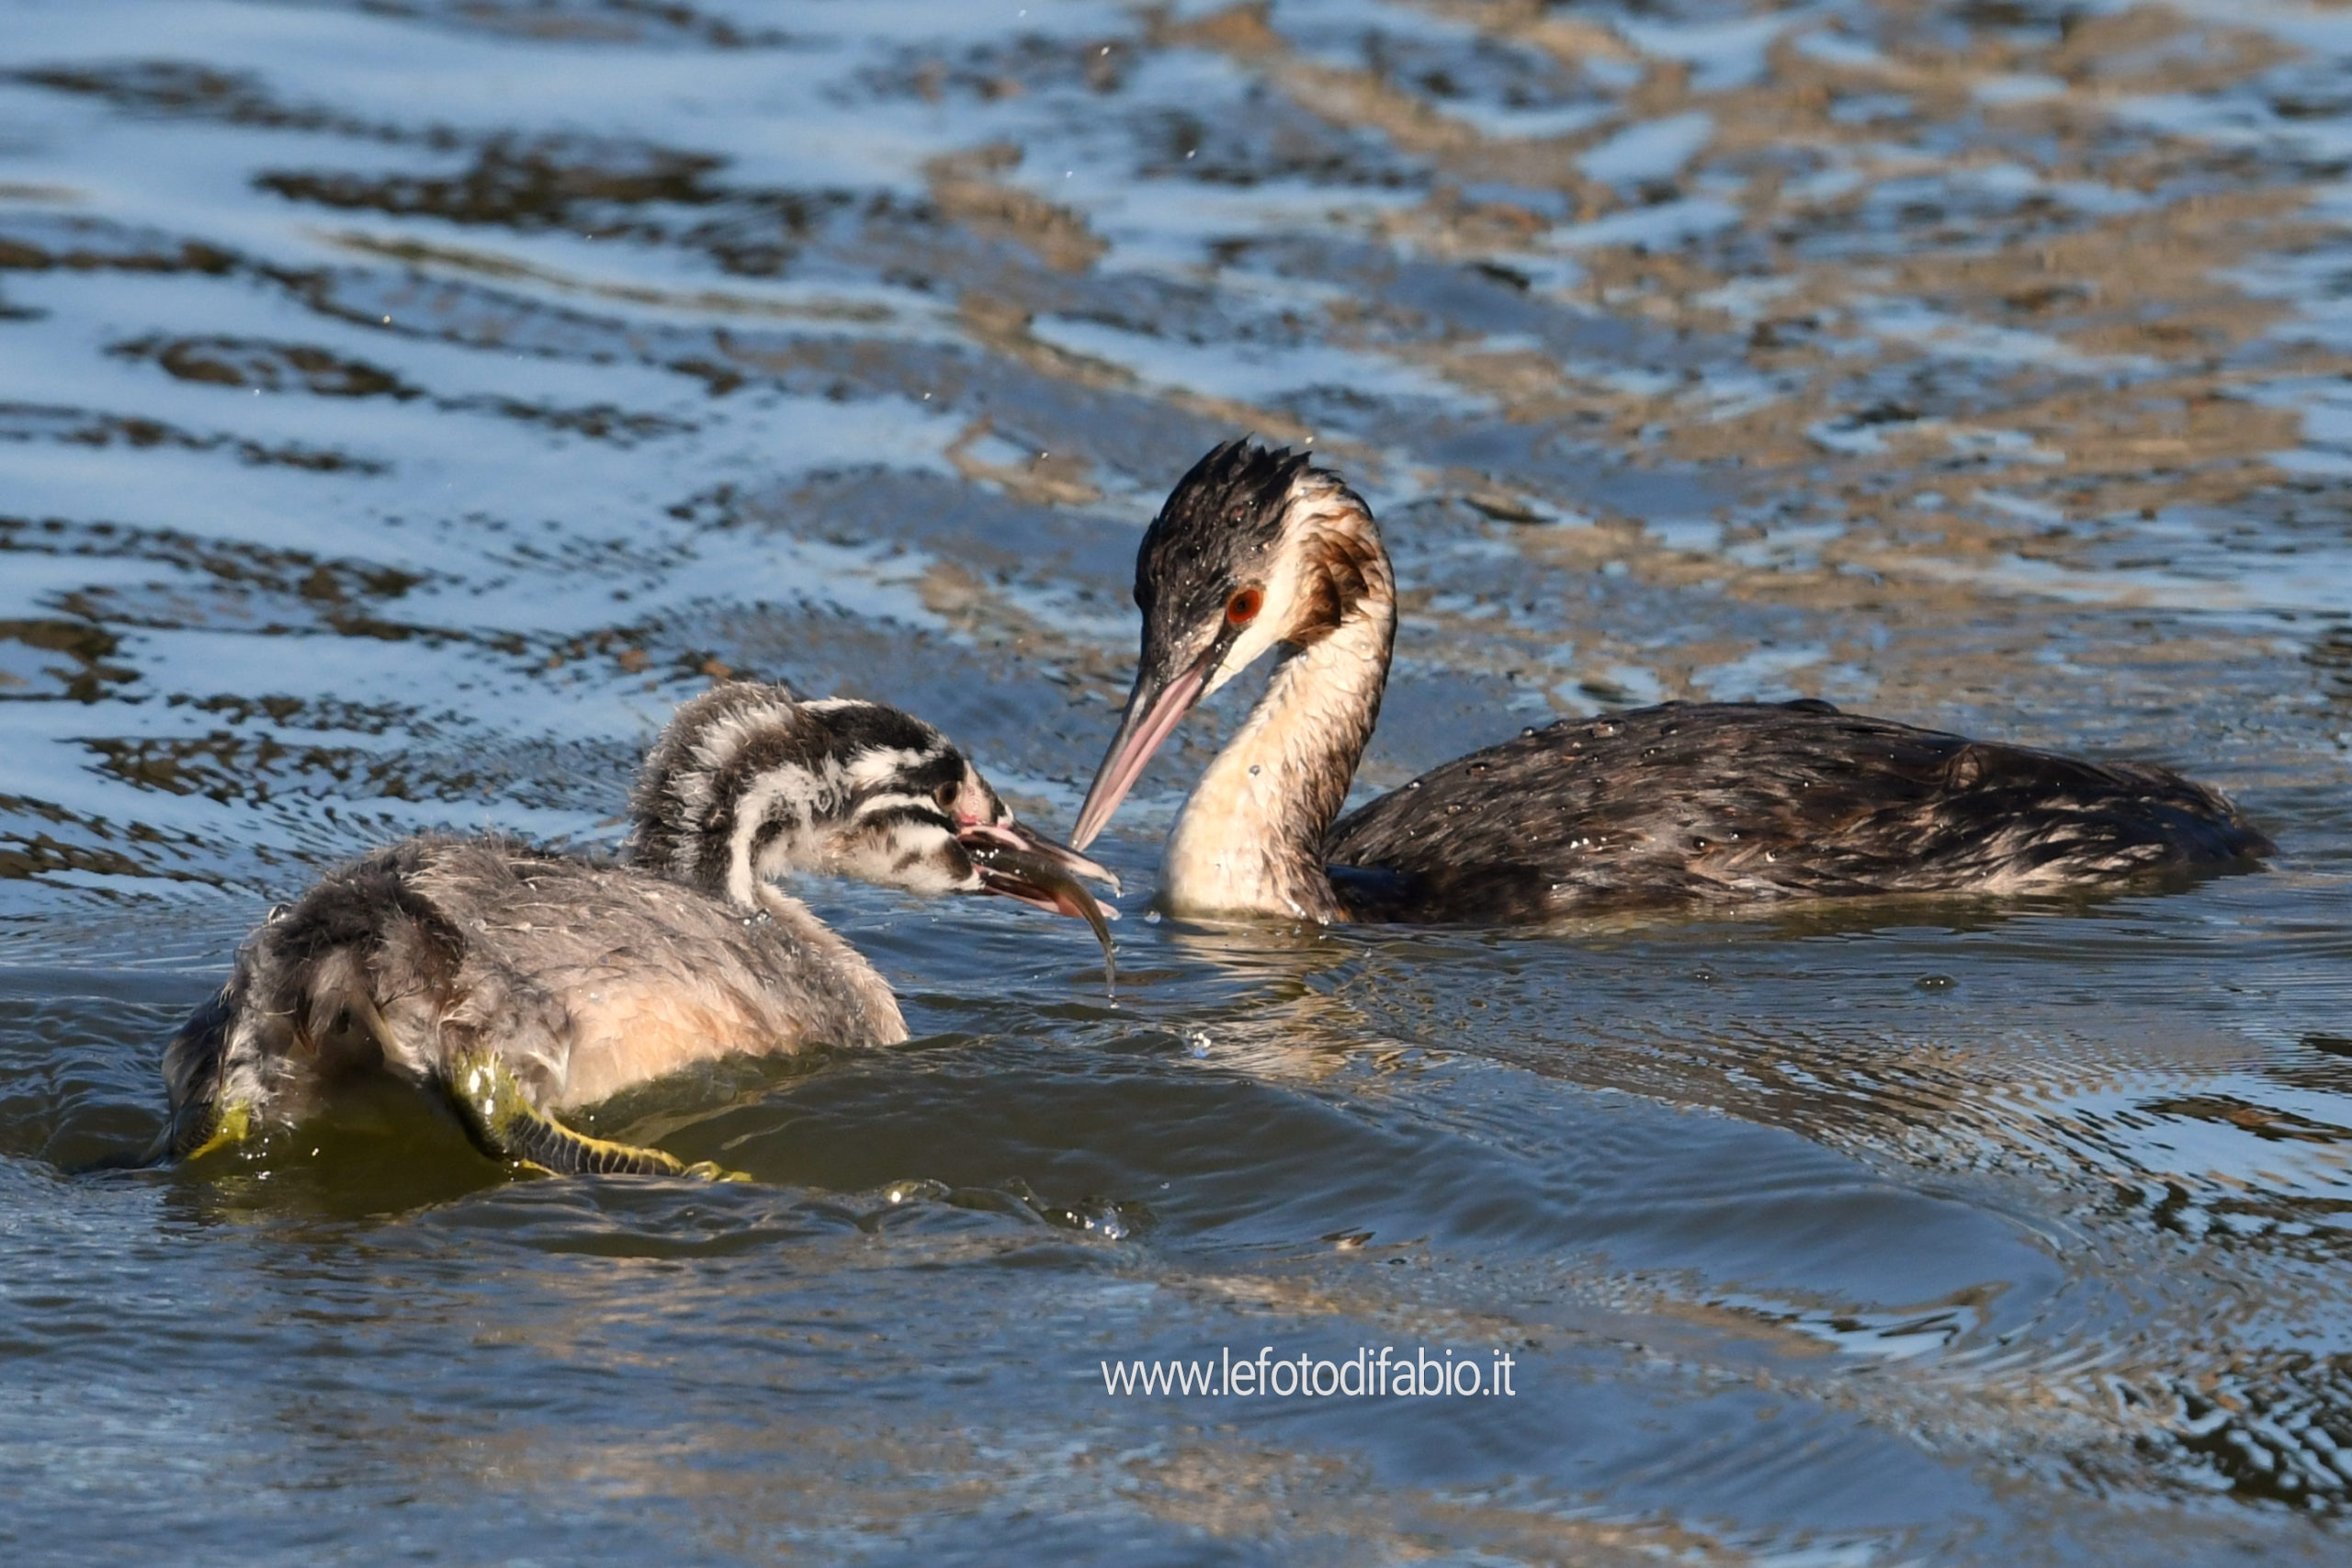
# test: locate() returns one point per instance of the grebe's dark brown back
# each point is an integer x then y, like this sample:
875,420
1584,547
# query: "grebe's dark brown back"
1731,802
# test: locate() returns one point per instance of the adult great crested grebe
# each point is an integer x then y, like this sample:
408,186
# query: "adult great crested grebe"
516,982
1686,802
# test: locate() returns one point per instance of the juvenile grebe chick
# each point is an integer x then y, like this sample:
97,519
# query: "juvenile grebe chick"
516,983
1692,803
751,782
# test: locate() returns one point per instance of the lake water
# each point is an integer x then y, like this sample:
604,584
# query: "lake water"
404,404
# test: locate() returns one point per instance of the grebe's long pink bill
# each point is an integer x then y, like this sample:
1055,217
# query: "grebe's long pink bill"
1155,707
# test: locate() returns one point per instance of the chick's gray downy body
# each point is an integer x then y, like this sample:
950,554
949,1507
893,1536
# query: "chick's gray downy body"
518,982
582,978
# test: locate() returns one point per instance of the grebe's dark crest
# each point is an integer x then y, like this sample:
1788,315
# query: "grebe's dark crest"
517,983
1693,804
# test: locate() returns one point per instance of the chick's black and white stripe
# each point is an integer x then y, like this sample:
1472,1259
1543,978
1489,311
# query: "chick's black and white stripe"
750,778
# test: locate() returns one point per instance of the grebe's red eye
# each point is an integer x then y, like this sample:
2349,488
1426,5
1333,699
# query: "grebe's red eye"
1243,607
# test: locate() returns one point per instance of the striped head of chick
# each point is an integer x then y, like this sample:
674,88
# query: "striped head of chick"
750,784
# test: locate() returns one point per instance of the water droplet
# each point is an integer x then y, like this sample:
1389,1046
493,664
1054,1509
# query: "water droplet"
1196,1043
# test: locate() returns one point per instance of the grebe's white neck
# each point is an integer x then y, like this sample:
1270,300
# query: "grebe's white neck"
1249,839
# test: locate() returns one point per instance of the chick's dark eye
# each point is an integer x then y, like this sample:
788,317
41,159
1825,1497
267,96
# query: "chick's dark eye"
945,794
1243,607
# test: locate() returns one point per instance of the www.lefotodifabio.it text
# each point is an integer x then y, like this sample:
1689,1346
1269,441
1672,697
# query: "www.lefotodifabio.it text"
1367,1374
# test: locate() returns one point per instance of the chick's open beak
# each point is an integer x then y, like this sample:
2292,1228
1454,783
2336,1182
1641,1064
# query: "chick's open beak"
1018,862
1002,850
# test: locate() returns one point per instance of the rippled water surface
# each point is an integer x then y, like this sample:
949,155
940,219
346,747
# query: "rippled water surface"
404,404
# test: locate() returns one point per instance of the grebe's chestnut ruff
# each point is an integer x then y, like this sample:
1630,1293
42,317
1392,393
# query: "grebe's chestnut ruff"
1694,803
515,983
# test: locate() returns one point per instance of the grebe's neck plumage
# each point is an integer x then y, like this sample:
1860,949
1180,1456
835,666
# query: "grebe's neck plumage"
1250,837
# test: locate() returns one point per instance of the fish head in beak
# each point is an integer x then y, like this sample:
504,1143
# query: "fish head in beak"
928,822
1011,858
1015,861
